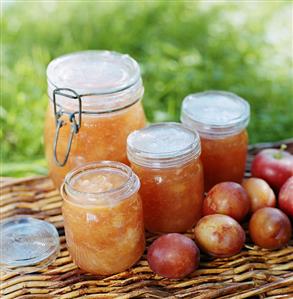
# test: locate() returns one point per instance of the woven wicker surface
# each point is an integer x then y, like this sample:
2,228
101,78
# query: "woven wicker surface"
253,273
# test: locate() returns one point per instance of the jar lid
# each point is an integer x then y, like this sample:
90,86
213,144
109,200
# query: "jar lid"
163,145
27,244
215,113
107,81
99,72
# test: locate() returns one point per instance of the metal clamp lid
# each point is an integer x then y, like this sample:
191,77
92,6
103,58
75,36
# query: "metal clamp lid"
101,81
75,125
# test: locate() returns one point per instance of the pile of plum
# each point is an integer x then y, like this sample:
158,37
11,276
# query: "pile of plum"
219,233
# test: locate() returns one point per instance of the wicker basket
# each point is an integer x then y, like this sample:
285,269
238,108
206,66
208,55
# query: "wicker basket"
253,273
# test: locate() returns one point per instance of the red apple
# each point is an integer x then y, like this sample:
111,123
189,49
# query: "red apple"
286,197
274,166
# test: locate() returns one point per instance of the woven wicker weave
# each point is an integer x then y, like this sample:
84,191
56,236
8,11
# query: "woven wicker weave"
253,273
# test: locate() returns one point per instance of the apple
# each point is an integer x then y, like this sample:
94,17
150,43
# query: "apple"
275,166
286,197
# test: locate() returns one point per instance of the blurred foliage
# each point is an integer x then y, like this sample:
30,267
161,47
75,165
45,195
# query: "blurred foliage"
182,47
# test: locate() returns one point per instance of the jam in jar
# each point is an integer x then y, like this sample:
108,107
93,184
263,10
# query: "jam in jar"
165,157
103,217
221,119
94,103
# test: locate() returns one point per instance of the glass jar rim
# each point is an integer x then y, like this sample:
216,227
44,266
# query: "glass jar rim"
166,158
217,127
128,188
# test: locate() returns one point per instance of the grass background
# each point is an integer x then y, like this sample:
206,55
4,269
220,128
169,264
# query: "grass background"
182,47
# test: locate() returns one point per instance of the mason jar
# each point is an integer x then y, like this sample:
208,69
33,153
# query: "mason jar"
165,157
221,119
94,103
103,217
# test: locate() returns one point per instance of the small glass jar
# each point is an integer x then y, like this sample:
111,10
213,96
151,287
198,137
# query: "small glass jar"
221,119
103,217
95,102
165,157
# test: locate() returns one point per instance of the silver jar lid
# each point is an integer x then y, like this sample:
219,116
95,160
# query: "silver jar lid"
215,113
163,145
100,72
106,80
27,244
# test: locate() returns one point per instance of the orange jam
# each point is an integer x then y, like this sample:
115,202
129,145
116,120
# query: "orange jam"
99,138
106,88
220,118
166,159
103,217
214,157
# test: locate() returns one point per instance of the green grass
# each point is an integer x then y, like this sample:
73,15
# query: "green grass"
182,47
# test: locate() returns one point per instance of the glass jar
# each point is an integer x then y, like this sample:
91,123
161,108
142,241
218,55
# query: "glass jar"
165,157
103,217
95,102
220,118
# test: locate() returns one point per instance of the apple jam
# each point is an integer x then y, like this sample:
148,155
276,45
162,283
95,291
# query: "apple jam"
166,159
95,102
220,118
103,217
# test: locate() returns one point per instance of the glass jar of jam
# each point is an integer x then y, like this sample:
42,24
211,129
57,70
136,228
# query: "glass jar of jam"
95,102
221,119
165,157
103,217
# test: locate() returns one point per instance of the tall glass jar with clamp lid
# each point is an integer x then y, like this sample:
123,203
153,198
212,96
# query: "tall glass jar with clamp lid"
95,102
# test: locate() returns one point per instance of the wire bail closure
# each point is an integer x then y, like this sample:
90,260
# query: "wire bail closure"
75,124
